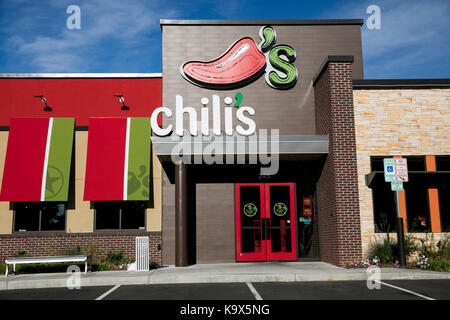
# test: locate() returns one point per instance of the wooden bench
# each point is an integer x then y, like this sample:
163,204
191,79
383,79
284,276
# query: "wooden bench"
26,260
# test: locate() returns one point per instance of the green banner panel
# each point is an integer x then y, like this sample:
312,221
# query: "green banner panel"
139,160
59,159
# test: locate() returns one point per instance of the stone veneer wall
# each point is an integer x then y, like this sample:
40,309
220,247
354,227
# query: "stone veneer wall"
397,122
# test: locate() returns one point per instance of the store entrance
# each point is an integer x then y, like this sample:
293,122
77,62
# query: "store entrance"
265,222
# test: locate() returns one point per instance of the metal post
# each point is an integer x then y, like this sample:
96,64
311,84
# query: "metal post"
400,235
181,216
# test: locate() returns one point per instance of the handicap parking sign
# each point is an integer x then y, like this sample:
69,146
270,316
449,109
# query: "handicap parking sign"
389,170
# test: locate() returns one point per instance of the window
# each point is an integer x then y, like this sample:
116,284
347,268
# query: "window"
443,164
416,163
39,216
417,209
416,197
384,207
416,193
120,215
376,163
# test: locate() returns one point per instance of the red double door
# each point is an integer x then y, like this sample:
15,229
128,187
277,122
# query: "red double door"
265,222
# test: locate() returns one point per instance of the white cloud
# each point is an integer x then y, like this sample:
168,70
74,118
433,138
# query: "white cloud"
407,23
412,34
104,24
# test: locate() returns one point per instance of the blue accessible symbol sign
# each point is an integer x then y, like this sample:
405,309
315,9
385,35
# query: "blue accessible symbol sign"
389,170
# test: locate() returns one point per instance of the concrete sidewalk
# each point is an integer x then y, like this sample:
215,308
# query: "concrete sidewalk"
216,273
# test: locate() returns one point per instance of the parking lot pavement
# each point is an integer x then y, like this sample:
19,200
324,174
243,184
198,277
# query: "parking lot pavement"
87,293
323,290
201,291
341,290
437,289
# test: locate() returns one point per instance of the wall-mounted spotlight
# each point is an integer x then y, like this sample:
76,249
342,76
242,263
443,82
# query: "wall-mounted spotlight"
122,100
44,101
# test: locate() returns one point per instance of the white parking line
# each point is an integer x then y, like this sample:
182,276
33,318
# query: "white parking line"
254,292
108,292
405,290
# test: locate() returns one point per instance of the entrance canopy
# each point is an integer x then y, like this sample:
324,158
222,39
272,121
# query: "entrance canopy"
287,147
213,151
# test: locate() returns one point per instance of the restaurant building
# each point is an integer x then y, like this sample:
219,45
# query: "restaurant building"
260,141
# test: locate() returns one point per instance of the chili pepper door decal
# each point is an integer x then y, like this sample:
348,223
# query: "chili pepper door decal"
265,222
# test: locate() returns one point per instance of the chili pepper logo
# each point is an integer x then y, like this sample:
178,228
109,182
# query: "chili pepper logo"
244,62
250,210
280,209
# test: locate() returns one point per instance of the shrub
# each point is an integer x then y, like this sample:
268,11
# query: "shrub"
427,247
366,263
440,265
92,250
21,253
423,263
410,245
387,250
114,256
443,248
46,267
383,251
153,264
71,251
2,268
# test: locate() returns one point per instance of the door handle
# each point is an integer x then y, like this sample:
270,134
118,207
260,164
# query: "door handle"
267,228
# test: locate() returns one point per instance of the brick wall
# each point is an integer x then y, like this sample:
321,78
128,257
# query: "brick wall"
338,202
97,244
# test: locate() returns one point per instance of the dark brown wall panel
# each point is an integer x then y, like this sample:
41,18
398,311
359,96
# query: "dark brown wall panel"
291,111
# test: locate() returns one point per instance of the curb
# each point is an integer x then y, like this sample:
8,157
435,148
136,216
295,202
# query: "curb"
101,279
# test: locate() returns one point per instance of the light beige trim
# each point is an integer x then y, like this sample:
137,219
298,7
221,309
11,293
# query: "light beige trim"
6,215
80,219
154,215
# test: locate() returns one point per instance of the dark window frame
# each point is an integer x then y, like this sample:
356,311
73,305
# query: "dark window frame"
427,213
417,163
106,203
39,231
376,165
373,167
440,166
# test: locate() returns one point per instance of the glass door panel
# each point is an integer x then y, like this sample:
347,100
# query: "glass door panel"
250,243
265,222
280,211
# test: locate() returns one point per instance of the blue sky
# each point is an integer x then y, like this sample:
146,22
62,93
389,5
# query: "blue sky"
125,36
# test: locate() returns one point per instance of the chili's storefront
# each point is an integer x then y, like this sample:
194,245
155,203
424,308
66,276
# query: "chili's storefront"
260,141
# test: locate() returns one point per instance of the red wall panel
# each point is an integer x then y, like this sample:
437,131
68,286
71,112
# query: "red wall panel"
80,98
